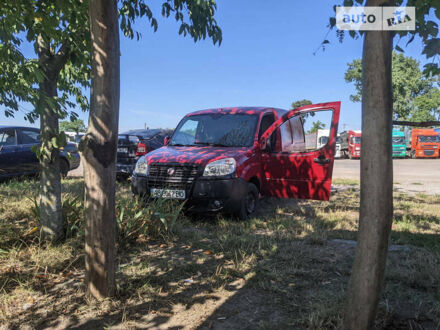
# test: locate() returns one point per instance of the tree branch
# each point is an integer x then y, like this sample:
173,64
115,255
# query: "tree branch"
42,49
62,55
416,124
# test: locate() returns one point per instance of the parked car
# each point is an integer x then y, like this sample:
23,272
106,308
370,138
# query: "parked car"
135,143
224,159
74,137
17,158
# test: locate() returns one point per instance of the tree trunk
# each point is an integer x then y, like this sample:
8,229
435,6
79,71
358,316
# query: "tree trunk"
376,209
99,150
52,226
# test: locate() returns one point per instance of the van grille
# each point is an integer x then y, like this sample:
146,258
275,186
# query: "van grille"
428,152
183,176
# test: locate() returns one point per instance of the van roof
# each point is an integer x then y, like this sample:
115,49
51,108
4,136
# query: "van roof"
237,110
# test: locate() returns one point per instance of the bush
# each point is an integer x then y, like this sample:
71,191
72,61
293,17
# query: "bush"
154,218
135,218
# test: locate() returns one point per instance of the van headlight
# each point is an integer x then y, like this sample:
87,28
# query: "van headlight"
220,167
141,166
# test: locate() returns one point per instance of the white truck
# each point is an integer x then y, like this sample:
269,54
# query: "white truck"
317,140
338,151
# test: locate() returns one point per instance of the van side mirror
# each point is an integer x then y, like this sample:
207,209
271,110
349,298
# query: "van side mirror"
166,140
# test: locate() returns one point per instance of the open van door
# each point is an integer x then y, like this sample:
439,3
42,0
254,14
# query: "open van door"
292,168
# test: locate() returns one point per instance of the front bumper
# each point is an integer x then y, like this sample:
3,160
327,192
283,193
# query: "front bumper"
399,154
427,153
205,194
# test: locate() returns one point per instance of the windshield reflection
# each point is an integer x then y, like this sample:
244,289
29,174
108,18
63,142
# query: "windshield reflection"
220,130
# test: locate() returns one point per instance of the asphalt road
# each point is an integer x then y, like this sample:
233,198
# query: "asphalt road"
410,175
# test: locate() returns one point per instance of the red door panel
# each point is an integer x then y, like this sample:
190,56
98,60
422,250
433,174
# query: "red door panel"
294,172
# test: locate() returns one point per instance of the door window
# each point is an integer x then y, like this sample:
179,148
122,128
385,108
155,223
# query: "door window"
266,122
317,129
8,138
29,136
292,135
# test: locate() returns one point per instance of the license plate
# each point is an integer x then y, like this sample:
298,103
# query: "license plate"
168,193
122,149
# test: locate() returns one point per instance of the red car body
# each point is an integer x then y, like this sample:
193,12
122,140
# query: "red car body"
305,174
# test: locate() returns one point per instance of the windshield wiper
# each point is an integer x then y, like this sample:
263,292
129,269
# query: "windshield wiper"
211,144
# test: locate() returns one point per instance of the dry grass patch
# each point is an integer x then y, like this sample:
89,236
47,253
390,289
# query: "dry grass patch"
280,269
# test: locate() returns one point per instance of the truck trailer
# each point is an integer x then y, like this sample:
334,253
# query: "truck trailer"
351,144
423,143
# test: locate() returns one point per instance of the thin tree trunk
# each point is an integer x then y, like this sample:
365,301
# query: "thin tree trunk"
376,209
52,226
99,150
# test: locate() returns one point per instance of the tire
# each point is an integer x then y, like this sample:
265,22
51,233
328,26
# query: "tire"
248,203
64,168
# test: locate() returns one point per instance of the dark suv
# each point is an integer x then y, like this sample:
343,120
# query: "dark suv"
17,158
135,143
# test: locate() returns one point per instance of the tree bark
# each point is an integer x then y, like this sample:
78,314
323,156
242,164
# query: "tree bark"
52,226
376,208
99,150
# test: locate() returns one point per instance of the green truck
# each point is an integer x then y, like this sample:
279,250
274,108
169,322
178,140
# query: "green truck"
399,144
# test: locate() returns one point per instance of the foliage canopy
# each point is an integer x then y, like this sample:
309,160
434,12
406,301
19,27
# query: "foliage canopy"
415,96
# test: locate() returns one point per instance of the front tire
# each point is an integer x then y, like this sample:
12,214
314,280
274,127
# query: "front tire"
248,203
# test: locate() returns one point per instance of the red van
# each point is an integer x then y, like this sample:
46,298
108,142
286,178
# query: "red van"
225,159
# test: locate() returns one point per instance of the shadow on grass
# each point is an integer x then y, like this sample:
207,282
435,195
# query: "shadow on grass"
278,270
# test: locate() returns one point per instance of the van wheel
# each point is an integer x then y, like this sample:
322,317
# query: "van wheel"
248,203
64,168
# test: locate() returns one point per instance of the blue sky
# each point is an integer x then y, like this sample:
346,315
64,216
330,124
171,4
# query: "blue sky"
266,59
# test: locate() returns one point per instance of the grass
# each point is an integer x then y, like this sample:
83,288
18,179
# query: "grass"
343,181
280,269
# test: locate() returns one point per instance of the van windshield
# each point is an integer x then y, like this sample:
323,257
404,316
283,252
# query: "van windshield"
398,140
216,129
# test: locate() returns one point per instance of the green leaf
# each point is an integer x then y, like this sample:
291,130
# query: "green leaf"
432,47
397,47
